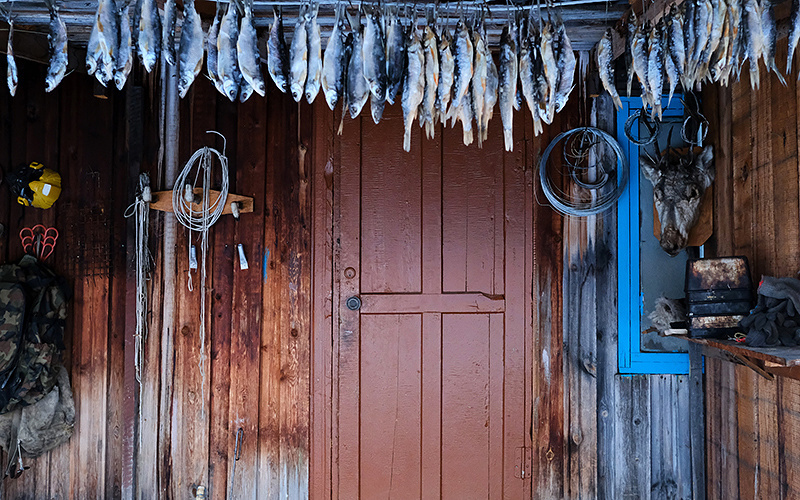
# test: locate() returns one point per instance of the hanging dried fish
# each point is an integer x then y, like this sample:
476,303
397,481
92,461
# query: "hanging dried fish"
59,57
413,83
427,111
688,9
719,59
212,57
124,56
490,98
447,65
738,50
605,63
464,59
333,64
298,57
247,52
149,39
547,104
670,69
770,34
508,84
479,76
190,55
277,53
395,54
633,28
357,87
12,78
314,54
655,70
374,55
376,107
168,31
640,62
527,80
794,34
755,39
676,46
566,68
227,56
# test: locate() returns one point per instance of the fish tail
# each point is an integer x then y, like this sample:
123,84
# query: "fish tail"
407,139
789,60
508,137
778,73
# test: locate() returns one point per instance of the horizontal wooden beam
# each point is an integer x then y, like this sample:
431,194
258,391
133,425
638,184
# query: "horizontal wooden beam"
452,303
162,201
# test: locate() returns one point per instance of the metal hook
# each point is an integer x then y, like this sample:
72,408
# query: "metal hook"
224,141
237,451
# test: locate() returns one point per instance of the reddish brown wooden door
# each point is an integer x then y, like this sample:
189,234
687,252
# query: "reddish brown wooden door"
429,385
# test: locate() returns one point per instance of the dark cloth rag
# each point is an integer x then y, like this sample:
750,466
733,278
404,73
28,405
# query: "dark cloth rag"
776,318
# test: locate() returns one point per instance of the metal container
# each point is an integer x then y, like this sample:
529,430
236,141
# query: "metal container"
719,293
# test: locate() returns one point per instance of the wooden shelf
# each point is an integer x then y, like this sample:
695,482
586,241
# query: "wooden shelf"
766,361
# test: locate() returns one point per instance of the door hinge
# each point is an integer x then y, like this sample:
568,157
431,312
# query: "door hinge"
522,469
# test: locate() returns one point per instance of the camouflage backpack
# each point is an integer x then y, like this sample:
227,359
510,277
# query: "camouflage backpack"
33,312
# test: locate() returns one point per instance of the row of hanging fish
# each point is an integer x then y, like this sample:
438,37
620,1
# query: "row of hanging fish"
700,41
12,78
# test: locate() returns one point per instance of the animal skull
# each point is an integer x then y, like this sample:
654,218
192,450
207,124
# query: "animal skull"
679,182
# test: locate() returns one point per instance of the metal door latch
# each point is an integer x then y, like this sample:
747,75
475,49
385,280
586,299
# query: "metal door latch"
353,303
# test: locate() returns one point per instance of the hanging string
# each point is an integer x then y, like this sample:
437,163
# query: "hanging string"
200,221
140,209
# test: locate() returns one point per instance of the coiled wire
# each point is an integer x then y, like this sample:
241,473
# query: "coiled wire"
210,212
601,195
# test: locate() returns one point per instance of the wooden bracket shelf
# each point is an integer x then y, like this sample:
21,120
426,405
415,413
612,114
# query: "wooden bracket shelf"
766,361
162,201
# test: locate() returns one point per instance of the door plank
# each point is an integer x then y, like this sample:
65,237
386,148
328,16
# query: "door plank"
431,406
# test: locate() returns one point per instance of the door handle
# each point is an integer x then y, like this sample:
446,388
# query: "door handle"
353,303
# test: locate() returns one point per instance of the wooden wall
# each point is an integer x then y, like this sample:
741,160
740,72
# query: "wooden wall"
256,369
753,424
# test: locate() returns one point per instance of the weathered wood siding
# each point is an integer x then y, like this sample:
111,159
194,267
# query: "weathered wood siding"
628,436
753,424
256,370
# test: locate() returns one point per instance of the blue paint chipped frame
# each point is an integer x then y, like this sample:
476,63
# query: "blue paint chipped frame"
264,265
631,301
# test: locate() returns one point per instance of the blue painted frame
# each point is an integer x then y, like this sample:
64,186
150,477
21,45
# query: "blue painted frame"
631,301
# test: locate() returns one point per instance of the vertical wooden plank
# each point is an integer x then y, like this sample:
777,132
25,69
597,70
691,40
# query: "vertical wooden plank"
548,441
789,443
713,484
322,293
729,460
763,232
431,439
748,413
347,485
431,443
516,217
495,404
633,460
272,272
742,170
768,440
246,300
221,432
190,404
696,424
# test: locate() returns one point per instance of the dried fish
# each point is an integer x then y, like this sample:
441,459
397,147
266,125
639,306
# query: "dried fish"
737,52
719,59
676,46
94,50
227,56
168,31
640,62
333,63
755,39
447,64
59,57
703,21
298,57
124,56
12,77
376,108
770,33
314,55
633,27
688,8
245,90
247,52
427,112
413,83
490,98
357,87
212,58
149,39
605,63
566,68
794,34
548,103
374,55
463,56
655,70
508,84
670,69
190,52
527,79
395,54
277,53
479,75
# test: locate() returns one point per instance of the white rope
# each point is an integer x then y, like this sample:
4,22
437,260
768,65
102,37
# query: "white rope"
200,221
141,210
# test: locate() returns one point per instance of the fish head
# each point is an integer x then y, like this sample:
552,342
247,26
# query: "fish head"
119,80
297,93
331,97
230,89
261,89
183,86
49,83
245,93
91,64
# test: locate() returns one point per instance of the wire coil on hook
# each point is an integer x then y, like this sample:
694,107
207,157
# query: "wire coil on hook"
654,130
582,196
